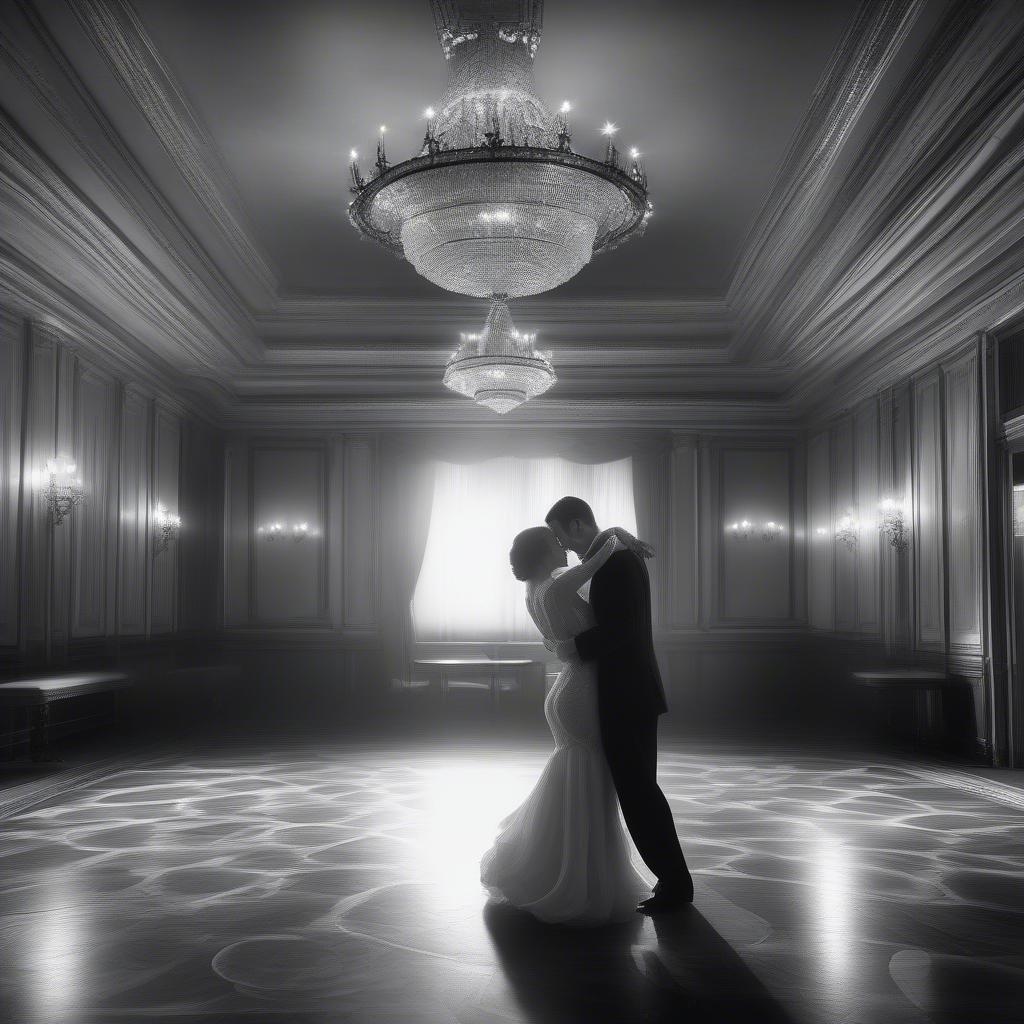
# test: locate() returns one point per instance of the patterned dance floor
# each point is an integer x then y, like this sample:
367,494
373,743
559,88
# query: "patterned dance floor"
340,885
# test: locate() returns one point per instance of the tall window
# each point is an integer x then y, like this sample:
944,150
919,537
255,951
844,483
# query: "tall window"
466,590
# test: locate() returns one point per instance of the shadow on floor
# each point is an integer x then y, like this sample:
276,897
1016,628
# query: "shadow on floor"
683,972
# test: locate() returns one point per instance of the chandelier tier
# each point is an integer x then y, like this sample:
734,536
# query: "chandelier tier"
497,203
499,368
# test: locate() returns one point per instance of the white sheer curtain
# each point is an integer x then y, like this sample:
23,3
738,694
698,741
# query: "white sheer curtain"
466,590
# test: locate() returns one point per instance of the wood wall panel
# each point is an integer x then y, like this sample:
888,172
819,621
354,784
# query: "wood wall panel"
166,473
361,527
11,358
684,595
820,562
93,524
67,590
133,568
200,500
929,560
963,486
238,534
843,500
754,579
39,444
288,576
866,468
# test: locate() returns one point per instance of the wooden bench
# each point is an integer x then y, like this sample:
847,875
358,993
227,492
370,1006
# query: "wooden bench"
928,684
38,695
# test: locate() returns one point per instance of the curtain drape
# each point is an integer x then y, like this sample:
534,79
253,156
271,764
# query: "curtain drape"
466,590
408,468
408,489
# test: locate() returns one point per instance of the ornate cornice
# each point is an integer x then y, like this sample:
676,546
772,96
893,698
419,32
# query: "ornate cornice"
51,226
84,124
115,29
710,414
805,183
905,196
58,312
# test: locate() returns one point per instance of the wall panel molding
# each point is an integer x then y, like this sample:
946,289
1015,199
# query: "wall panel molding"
963,491
929,514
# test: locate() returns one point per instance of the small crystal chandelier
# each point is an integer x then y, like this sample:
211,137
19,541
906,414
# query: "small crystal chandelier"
499,367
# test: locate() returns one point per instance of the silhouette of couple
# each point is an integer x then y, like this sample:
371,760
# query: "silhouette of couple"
563,855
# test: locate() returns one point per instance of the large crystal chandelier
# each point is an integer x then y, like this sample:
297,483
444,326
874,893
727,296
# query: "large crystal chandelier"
499,367
496,203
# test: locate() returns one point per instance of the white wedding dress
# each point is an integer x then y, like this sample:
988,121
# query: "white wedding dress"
564,855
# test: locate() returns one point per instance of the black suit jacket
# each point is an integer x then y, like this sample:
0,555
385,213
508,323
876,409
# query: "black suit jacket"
628,678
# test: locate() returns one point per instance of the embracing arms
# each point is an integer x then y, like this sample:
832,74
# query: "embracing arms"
615,602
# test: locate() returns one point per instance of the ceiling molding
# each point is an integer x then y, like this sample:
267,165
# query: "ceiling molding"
49,224
51,306
946,325
943,135
702,324
116,31
704,414
25,48
805,183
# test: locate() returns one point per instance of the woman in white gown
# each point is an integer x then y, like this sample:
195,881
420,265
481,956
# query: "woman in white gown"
563,855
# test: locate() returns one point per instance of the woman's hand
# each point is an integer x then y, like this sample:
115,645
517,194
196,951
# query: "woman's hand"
638,547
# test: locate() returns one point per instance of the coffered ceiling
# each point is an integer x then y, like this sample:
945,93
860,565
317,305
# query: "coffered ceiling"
181,185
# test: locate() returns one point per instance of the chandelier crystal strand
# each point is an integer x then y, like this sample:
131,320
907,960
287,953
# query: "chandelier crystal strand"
499,368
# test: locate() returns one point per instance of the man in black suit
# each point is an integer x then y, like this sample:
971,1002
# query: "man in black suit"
630,697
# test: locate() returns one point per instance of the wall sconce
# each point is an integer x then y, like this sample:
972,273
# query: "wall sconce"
298,531
62,487
890,522
772,531
848,529
167,527
741,529
821,531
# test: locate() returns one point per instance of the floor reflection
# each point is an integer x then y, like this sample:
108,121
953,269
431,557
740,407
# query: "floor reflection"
672,968
340,885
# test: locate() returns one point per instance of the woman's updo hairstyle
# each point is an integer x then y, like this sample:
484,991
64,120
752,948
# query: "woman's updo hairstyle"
528,551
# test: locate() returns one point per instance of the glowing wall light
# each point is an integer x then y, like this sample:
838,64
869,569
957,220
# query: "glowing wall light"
848,529
166,525
61,486
891,522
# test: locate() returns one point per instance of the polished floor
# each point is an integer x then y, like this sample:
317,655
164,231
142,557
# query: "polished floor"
340,885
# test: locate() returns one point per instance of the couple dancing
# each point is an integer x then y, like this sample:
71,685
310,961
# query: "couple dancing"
563,855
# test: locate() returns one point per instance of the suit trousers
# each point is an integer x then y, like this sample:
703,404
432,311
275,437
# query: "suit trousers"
631,748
